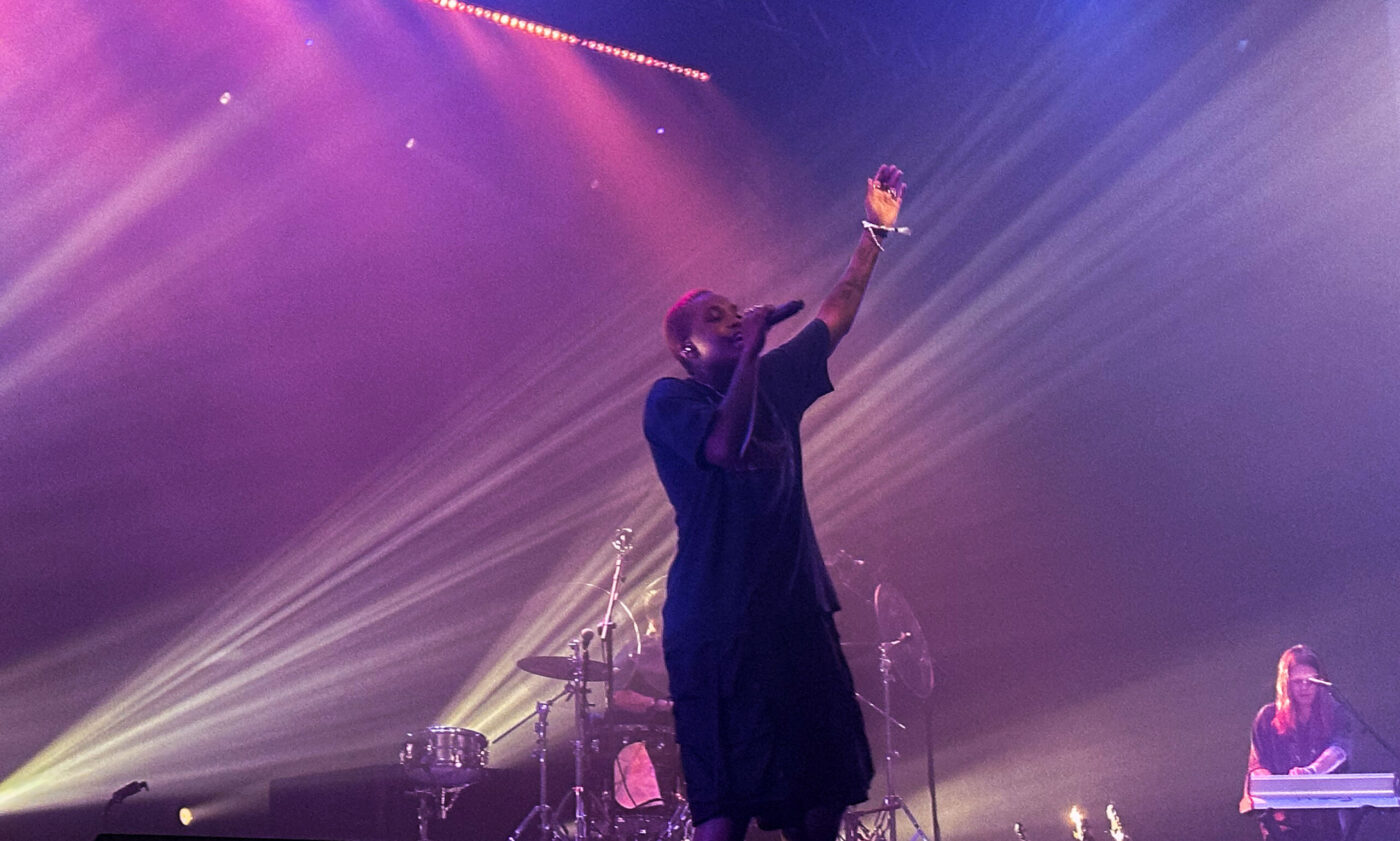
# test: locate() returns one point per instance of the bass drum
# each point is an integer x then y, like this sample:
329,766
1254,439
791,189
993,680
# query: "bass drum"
639,765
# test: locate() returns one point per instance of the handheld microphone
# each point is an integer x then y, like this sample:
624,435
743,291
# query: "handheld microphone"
784,312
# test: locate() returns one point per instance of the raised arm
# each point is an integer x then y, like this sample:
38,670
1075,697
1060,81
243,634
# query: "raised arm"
883,195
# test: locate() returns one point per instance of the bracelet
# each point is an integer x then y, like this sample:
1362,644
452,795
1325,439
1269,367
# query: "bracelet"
876,235
879,232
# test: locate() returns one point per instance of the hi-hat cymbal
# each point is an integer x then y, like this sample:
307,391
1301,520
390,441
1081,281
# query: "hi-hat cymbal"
561,667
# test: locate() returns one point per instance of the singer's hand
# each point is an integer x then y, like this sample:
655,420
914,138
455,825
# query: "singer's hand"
883,195
753,327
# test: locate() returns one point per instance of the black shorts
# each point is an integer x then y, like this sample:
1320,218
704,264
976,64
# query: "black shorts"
768,725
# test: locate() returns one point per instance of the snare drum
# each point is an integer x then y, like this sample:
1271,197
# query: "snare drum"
444,756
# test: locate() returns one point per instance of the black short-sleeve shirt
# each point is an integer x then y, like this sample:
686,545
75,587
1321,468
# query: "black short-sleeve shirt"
1278,753
746,557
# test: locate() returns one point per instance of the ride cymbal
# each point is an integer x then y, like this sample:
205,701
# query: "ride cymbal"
561,668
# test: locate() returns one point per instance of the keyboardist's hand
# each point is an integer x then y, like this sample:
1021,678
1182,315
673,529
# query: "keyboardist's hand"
1301,769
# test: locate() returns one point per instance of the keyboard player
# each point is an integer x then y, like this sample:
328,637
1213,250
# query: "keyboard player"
1304,731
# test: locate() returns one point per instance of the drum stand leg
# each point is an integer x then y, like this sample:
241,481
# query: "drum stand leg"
583,822
883,825
580,689
550,830
428,798
679,828
425,814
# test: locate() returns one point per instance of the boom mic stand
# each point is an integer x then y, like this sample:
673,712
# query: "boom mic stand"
1341,699
1337,693
622,542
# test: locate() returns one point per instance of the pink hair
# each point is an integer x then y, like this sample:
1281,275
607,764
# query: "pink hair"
676,326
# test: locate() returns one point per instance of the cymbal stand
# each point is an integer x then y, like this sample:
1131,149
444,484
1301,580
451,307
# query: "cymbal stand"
550,830
579,647
883,819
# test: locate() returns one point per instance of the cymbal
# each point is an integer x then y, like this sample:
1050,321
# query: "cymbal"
909,655
561,667
643,670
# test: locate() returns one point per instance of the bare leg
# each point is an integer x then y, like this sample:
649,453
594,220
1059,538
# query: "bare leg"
721,829
819,824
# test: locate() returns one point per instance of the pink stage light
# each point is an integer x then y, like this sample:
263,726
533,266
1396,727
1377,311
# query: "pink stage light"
542,31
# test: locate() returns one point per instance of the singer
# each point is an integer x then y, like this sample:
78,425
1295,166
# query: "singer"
1304,731
765,711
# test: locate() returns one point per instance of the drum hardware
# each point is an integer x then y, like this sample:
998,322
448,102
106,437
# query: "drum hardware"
445,799
903,653
580,673
679,823
549,826
649,827
443,761
581,705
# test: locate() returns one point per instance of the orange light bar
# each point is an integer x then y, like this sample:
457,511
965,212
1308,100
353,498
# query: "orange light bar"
550,33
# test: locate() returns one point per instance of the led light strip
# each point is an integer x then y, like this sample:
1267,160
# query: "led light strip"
552,34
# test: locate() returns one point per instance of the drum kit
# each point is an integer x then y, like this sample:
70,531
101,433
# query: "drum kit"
627,781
